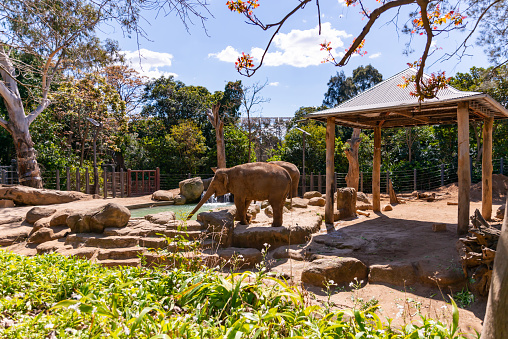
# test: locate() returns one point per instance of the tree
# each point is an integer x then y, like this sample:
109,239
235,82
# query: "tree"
218,125
128,83
341,89
250,102
188,144
61,33
427,18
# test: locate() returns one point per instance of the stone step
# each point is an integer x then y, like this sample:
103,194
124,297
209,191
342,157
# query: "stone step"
161,243
120,253
101,241
134,262
189,235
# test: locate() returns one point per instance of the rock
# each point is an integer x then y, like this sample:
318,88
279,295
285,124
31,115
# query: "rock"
294,252
48,233
387,208
269,211
362,197
253,210
14,233
41,223
317,201
162,195
100,241
206,183
439,227
297,202
180,199
400,274
60,217
219,225
24,195
4,203
364,207
244,257
433,274
341,270
52,246
191,189
346,203
10,220
95,220
257,235
37,213
161,218
500,212
312,194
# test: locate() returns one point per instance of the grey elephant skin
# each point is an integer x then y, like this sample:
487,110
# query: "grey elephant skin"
293,171
253,181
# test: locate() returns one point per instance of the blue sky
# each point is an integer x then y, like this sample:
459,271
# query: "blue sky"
293,68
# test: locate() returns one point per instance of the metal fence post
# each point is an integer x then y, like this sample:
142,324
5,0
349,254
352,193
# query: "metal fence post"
387,182
68,172
414,176
87,181
113,181
122,186
312,181
57,179
78,180
442,174
105,182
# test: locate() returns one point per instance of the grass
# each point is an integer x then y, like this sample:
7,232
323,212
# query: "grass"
51,296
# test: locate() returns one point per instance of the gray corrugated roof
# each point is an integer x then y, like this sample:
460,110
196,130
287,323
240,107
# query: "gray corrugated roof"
388,94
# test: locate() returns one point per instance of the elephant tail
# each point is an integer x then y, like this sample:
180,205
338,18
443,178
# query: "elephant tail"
291,192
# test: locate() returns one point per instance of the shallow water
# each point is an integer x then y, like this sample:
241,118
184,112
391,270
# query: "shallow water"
181,211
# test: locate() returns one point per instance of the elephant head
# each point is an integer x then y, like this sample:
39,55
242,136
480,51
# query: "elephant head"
218,186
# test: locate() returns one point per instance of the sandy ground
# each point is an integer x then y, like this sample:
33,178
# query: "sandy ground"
403,234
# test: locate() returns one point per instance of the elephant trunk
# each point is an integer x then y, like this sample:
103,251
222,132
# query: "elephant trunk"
205,198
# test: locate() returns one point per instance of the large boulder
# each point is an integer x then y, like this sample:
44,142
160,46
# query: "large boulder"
4,203
24,195
317,201
191,189
161,218
95,220
341,270
296,202
162,195
37,213
312,194
362,197
397,273
48,233
219,225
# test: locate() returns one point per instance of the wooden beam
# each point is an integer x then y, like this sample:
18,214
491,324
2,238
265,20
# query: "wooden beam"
353,124
487,169
464,173
412,116
330,169
376,171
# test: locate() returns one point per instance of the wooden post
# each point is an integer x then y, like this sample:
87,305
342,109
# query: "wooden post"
501,169
105,182
158,179
78,180
387,182
57,179
96,185
68,173
442,174
330,170
129,182
143,181
320,183
376,171
312,181
122,183
87,181
487,168
414,179
464,174
113,181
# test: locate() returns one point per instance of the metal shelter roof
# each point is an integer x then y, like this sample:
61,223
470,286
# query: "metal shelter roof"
392,106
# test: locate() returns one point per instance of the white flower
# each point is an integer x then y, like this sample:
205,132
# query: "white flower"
351,284
76,296
444,307
331,282
71,330
126,330
49,326
75,307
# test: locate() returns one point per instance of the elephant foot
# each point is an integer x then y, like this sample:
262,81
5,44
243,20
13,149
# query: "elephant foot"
276,225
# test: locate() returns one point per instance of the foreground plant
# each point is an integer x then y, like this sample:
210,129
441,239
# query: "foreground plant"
51,296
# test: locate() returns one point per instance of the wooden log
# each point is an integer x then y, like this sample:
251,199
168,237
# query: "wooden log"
376,171
367,214
330,169
353,173
464,174
487,169
393,196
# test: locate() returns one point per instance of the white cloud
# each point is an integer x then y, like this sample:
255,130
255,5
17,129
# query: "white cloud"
297,48
151,62
275,84
376,55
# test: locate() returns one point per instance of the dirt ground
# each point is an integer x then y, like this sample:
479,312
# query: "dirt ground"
403,234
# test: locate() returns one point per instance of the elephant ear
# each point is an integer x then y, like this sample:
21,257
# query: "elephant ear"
223,177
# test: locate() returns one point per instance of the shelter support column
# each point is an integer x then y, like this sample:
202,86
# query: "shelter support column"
487,168
464,173
330,169
376,171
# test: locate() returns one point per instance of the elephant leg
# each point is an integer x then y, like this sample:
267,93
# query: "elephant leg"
278,210
247,215
241,212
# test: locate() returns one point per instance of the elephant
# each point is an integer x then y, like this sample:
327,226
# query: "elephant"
252,181
293,171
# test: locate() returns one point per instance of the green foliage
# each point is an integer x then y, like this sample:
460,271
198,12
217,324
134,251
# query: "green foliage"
237,146
73,298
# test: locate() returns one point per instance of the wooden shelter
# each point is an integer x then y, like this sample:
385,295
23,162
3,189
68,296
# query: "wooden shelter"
387,105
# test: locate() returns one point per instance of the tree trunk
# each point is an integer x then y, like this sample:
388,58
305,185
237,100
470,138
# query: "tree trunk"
28,169
250,134
495,324
218,125
353,175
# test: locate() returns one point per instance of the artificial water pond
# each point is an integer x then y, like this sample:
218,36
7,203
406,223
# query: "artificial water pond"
181,211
